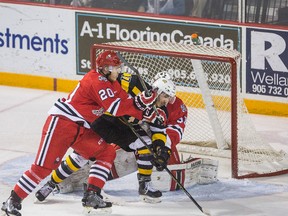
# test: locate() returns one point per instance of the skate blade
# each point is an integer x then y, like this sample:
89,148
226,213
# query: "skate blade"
99,211
3,213
115,200
150,199
36,201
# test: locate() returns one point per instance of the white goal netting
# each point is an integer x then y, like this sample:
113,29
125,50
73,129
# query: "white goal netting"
207,80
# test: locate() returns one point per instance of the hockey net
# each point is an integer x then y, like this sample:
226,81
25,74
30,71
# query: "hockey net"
207,81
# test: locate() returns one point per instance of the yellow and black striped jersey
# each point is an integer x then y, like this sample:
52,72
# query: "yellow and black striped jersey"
132,85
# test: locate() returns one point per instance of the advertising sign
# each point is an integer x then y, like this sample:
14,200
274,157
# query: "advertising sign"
96,28
37,40
267,62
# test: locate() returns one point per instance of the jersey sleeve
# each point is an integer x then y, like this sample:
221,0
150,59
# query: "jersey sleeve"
115,100
176,122
131,84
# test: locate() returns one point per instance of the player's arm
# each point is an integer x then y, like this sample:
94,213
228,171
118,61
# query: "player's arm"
143,100
176,124
115,100
131,84
161,150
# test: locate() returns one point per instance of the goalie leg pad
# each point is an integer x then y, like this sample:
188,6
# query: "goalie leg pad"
208,172
66,186
189,173
124,164
75,181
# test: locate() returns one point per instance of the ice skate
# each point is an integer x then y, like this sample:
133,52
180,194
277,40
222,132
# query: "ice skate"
45,190
93,202
146,191
12,206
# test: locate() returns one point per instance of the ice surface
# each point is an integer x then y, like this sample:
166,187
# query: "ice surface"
22,114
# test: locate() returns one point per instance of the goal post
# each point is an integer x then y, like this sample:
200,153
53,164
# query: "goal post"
207,80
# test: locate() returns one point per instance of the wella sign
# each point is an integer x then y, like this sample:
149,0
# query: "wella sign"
267,62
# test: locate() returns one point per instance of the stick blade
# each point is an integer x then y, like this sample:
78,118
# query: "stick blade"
206,212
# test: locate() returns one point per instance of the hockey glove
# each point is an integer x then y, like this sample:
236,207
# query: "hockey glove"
145,99
132,120
162,155
150,116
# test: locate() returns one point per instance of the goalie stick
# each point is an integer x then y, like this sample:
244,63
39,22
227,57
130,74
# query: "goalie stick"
205,211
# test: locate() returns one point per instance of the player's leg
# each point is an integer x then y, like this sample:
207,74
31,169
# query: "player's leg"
50,152
124,164
92,146
146,190
71,164
98,175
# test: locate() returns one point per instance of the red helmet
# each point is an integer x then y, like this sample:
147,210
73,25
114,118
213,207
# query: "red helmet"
107,58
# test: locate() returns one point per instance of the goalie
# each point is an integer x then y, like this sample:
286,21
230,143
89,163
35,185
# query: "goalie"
113,130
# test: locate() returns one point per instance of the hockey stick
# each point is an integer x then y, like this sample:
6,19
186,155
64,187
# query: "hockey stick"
204,211
133,69
138,75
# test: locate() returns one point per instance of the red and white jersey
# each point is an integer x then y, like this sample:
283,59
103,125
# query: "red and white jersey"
93,96
177,115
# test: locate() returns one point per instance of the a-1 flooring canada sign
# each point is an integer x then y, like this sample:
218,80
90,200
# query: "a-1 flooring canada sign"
267,62
99,28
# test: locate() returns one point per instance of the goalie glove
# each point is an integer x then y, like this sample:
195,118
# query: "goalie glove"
162,155
158,120
145,99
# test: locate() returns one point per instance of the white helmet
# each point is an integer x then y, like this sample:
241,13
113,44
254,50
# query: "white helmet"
166,86
162,75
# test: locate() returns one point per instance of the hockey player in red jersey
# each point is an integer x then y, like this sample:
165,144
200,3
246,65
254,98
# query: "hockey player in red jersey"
176,109
113,130
68,125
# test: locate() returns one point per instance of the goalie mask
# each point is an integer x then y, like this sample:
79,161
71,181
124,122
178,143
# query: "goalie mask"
107,59
163,85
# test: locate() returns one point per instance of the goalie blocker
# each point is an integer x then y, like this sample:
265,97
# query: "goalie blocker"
189,172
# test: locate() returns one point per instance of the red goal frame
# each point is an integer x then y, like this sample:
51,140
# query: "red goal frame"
234,80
